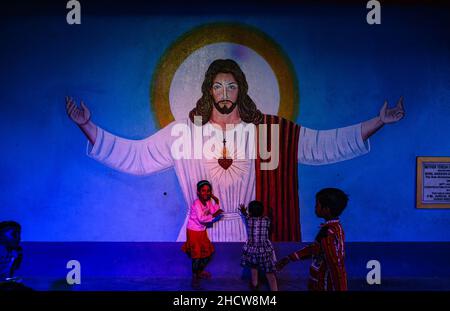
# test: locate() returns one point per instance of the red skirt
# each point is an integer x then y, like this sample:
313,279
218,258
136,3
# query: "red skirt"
197,244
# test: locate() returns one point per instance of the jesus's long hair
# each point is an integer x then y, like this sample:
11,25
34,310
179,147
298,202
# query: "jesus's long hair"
248,111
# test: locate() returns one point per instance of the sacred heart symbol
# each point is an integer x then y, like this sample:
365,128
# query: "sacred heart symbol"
225,163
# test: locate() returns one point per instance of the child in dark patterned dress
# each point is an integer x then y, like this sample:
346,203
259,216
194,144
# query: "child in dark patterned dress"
327,270
258,252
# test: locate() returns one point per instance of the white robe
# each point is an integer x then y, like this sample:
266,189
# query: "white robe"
232,186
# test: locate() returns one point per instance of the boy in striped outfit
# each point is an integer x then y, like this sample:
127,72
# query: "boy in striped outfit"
327,270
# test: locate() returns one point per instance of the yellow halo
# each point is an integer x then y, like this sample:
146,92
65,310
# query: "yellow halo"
207,34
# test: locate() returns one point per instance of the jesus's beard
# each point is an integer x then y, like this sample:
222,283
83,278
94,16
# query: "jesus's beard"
225,109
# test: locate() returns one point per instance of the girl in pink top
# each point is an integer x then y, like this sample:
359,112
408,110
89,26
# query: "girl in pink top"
203,212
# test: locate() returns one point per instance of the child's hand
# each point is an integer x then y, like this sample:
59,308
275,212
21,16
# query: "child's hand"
217,213
215,199
217,218
281,263
242,209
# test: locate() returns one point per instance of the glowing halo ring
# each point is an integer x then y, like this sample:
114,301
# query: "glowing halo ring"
207,34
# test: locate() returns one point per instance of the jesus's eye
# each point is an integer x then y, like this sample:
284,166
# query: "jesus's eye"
233,87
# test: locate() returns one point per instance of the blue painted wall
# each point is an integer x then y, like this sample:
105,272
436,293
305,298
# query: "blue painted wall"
346,69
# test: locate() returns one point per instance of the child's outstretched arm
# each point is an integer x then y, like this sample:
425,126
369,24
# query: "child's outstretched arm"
301,254
215,209
217,213
335,263
243,210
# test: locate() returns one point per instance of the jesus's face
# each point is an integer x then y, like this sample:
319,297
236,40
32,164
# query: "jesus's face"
225,92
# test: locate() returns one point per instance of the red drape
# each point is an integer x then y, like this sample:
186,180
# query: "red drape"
278,188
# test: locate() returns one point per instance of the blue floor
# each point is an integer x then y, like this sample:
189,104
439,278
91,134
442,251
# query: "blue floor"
163,267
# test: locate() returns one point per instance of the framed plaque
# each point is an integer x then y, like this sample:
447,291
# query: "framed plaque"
433,182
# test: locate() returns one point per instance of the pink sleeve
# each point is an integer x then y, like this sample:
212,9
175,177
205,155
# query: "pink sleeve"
203,217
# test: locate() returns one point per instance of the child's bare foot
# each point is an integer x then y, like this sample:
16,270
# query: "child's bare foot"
204,275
